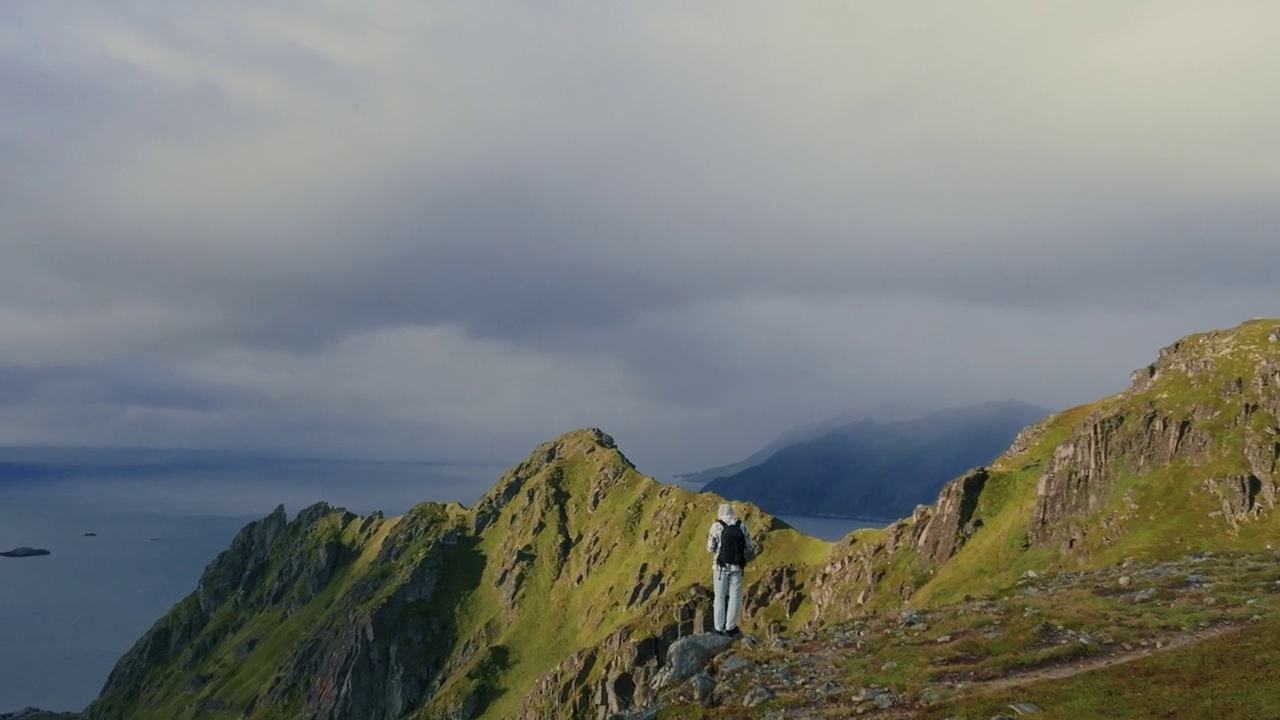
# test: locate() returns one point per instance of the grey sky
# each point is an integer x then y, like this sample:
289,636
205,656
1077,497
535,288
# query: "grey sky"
454,230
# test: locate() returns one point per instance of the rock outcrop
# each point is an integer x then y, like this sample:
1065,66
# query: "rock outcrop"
1177,412
621,672
939,532
855,571
1079,477
238,569
688,656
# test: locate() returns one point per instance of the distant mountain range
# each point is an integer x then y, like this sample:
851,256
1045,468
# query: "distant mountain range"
798,435
885,413
874,470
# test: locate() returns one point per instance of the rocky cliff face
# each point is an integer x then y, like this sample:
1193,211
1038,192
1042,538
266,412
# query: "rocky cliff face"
233,574
1185,458
283,581
1208,405
938,532
618,674
381,662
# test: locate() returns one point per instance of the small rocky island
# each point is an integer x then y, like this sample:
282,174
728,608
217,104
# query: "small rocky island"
25,552
37,714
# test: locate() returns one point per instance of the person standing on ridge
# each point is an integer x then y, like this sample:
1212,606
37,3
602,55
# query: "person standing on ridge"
730,543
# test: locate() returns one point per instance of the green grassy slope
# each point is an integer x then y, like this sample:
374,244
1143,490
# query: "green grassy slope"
468,607
448,611
593,542
1106,532
244,660
1184,460
1229,677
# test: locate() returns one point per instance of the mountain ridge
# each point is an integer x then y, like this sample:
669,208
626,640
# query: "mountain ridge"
444,611
568,586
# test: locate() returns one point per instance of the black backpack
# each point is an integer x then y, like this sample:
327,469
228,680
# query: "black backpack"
733,544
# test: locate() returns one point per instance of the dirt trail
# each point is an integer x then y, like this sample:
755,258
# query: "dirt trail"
1070,669
1083,665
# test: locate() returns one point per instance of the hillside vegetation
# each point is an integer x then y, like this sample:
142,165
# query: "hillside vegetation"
1105,534
1184,460
447,611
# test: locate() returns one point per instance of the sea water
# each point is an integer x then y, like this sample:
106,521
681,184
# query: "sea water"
127,546
829,529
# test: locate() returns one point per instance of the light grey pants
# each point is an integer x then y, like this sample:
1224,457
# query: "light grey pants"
727,583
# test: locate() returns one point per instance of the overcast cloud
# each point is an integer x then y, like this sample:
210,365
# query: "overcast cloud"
453,230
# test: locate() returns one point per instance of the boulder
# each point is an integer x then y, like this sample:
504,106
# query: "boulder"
697,689
734,663
688,656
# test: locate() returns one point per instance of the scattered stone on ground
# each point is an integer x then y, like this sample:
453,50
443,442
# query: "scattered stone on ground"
887,665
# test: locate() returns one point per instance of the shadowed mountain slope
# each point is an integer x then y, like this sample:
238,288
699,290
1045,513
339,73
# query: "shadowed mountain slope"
872,470
787,439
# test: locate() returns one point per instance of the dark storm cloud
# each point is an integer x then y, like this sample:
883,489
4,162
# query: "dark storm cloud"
666,219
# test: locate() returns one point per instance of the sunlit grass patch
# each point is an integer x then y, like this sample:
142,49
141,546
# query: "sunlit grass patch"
1230,676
